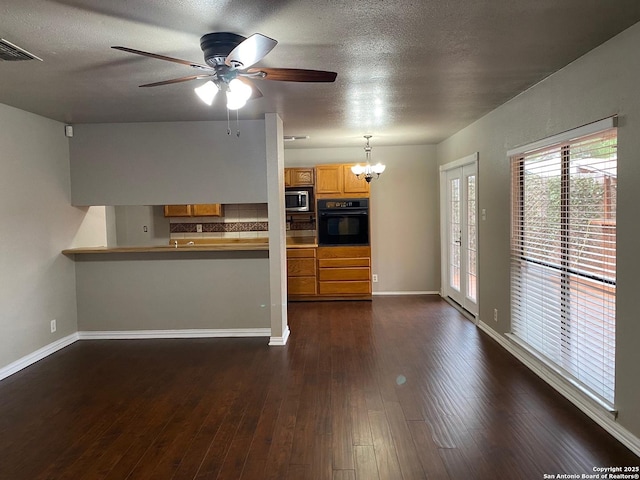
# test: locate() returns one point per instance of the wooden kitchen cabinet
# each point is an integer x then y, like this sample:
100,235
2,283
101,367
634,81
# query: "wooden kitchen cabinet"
339,181
353,184
329,180
344,271
206,210
196,210
299,177
177,210
301,271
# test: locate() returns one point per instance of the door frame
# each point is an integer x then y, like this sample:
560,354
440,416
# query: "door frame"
444,257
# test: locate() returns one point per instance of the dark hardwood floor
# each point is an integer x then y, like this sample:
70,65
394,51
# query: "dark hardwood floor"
398,388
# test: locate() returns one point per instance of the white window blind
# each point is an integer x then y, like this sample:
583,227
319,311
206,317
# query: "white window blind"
563,256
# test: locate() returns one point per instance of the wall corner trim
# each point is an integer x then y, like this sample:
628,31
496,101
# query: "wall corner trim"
623,435
280,341
38,355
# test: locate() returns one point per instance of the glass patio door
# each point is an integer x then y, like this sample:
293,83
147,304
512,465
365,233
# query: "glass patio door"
459,234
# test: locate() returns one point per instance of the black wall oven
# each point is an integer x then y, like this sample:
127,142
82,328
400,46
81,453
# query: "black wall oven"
343,221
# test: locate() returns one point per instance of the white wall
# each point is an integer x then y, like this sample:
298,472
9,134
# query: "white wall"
404,212
602,83
93,231
176,163
131,220
37,282
167,163
173,291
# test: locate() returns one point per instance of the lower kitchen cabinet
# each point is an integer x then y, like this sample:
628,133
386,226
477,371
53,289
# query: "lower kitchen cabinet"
301,271
344,271
324,273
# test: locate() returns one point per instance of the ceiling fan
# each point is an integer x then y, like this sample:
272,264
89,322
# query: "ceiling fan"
228,60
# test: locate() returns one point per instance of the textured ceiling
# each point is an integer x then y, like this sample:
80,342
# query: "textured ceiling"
409,72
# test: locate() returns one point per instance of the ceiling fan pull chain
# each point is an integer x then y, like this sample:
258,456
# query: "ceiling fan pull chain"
228,123
237,125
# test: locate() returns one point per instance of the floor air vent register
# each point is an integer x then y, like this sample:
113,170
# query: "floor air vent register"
12,53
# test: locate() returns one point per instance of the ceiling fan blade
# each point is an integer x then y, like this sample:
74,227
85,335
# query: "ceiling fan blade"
250,51
162,57
176,80
255,91
294,74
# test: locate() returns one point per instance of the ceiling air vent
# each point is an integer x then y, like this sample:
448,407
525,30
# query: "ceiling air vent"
12,53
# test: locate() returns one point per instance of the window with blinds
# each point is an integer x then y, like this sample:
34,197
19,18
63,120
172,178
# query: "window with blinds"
563,254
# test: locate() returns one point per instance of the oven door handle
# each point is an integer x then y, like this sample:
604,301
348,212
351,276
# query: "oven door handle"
343,213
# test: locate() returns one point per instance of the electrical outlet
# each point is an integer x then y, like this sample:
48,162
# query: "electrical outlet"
288,225
53,325
374,277
199,227
495,314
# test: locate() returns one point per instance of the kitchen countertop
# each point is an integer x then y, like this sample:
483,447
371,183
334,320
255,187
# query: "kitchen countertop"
199,245
195,245
229,247
301,242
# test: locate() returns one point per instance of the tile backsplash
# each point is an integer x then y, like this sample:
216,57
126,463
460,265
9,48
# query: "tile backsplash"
240,220
299,228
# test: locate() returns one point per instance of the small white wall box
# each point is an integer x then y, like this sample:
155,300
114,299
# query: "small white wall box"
68,131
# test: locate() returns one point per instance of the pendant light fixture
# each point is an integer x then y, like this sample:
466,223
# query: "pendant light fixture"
368,170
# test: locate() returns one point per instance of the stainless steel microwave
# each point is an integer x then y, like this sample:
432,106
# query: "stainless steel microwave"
298,200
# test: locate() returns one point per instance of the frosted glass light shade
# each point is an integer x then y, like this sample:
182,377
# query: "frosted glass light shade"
357,169
235,100
207,92
241,89
378,168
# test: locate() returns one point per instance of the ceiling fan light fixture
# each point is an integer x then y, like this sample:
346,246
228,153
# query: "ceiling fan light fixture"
235,101
207,92
241,89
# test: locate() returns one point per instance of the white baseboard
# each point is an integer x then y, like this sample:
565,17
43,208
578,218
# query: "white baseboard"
404,293
190,333
39,354
53,347
280,341
598,415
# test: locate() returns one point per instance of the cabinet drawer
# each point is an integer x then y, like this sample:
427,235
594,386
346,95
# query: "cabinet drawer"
337,274
344,252
344,262
301,253
301,285
345,288
300,267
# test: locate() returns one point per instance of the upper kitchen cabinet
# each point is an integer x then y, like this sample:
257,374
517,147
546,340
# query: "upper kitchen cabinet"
339,181
207,210
177,210
299,177
353,184
196,210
